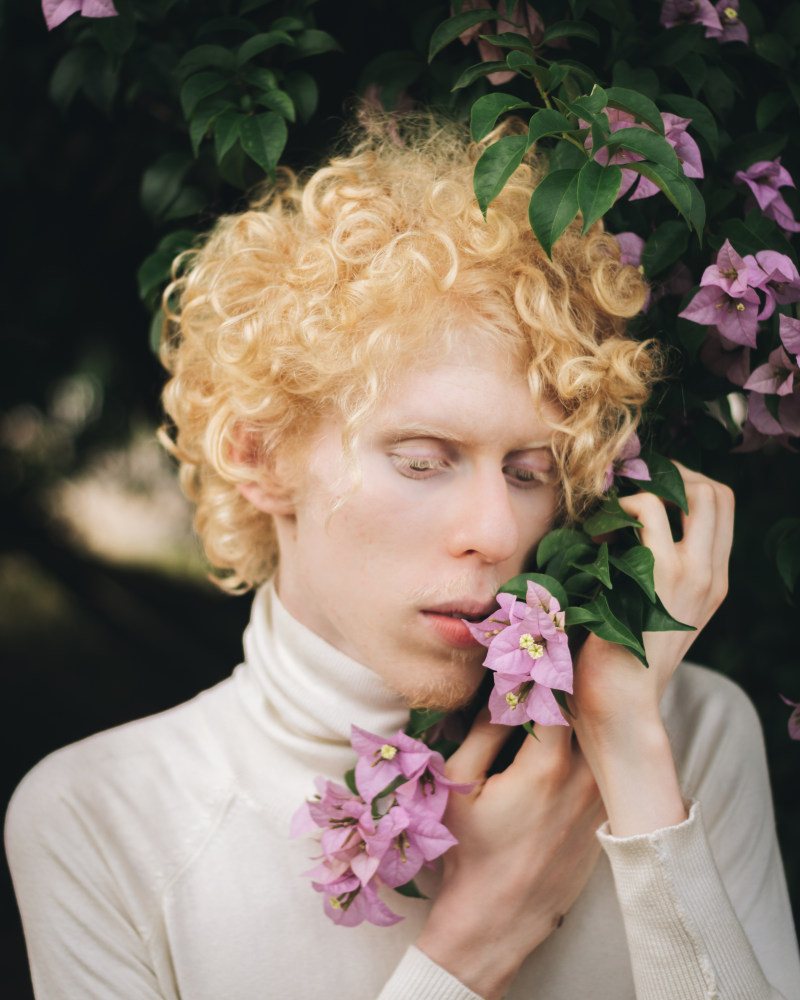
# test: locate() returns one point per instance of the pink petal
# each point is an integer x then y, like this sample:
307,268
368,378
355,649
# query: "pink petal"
57,11
790,334
760,417
635,468
764,379
543,708
98,8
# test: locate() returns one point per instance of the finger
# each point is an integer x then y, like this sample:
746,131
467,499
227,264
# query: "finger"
708,500
550,746
478,751
655,531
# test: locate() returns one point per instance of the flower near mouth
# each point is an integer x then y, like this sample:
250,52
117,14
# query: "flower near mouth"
529,653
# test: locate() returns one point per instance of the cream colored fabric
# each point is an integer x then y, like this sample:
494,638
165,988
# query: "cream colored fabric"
153,862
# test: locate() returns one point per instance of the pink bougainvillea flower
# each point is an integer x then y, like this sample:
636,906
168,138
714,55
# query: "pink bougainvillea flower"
724,358
787,421
732,273
512,702
732,28
735,318
775,377
627,463
675,12
685,147
529,653
764,179
794,718
778,280
380,761
57,11
676,135
527,22
349,903
790,335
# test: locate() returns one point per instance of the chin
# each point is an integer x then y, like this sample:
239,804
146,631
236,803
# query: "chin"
448,688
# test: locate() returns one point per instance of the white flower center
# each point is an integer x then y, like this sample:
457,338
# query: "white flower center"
533,648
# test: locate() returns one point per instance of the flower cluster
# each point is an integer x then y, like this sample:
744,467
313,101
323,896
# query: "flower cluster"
794,718
736,294
384,833
721,20
676,135
529,654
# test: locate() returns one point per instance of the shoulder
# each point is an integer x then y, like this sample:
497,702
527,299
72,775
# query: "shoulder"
134,782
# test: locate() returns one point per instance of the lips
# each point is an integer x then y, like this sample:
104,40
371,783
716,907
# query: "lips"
472,610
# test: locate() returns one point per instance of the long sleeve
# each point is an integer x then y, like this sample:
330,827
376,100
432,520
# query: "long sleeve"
417,976
704,903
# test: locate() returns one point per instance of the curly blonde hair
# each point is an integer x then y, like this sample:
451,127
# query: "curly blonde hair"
316,299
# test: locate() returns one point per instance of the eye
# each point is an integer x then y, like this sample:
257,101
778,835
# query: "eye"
528,478
417,468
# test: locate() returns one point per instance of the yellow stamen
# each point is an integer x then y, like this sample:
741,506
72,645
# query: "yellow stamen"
512,700
533,648
335,903
730,13
740,307
388,752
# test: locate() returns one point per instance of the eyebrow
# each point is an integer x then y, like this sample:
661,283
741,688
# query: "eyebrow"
410,431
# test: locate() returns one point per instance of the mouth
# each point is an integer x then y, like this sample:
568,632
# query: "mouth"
468,610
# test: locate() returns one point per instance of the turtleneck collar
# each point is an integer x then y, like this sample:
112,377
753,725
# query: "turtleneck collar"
303,689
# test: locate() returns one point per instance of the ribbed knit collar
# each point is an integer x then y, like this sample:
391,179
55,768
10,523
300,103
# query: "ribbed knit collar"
303,688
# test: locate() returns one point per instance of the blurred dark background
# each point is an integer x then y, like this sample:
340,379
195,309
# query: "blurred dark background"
105,614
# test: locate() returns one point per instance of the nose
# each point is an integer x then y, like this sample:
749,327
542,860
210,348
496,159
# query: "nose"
483,521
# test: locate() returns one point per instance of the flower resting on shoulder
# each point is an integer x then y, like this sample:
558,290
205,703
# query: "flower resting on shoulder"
529,654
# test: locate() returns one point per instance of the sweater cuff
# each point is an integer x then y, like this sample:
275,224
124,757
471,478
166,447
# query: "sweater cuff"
684,937
418,976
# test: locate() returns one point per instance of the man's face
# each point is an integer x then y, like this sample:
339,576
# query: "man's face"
456,488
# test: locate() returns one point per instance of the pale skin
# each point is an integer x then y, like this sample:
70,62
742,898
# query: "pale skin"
527,841
455,493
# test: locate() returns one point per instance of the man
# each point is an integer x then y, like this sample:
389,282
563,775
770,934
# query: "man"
392,400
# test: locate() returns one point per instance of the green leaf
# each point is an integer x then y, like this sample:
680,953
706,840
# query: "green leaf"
782,545
656,618
581,615
647,144
518,586
610,517
302,88
486,110
259,77
753,147
774,48
278,101
263,138
162,181
524,61
226,132
672,45
598,568
697,213
637,104
665,480
156,330
350,780
67,77
637,563
478,70
496,164
589,105
560,565
703,121
770,106
393,72
509,40
570,29
671,182
556,540
450,29
313,42
199,86
410,889
203,56
116,34
547,122
597,190
421,720
553,206
607,626
261,43
205,114
664,246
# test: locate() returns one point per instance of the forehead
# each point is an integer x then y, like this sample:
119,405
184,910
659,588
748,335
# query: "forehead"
475,393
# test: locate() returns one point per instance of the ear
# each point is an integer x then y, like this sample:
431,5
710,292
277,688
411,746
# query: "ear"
268,498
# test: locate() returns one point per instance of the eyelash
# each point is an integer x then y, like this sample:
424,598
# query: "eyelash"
419,468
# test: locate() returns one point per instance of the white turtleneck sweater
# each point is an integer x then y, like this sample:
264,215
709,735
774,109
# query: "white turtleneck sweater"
153,861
